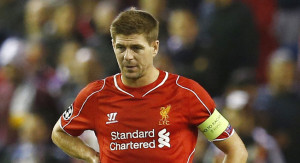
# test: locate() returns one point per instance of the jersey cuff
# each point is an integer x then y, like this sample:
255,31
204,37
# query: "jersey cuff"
233,131
63,128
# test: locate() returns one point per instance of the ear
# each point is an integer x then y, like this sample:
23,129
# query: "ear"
155,46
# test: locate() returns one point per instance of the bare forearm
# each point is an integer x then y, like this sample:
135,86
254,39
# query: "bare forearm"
234,149
73,146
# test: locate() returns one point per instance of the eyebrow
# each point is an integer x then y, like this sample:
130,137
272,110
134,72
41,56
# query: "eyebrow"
118,44
137,46
133,45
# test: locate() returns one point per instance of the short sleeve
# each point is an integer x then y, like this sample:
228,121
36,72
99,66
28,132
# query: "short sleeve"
201,106
80,114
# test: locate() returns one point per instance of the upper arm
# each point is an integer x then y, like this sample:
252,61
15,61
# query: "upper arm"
199,104
203,112
56,132
80,115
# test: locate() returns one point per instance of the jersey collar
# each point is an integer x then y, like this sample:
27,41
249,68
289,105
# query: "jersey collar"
141,91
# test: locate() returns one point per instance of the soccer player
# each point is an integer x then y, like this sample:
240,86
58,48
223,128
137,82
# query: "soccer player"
143,114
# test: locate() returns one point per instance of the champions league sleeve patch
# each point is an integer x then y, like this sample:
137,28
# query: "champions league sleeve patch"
68,113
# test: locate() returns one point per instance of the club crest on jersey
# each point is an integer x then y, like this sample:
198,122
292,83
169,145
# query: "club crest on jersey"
164,111
68,113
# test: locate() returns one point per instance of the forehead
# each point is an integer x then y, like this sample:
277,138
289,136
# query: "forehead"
131,39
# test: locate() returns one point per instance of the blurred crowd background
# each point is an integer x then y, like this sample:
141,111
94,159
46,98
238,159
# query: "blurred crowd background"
245,53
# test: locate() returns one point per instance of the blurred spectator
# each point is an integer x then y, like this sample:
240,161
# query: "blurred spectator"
11,55
298,68
85,11
288,4
30,93
298,56
182,45
287,23
11,19
33,145
237,108
63,28
23,68
263,12
230,39
158,8
76,68
187,4
64,43
277,103
36,19
64,21
103,15
123,4
163,62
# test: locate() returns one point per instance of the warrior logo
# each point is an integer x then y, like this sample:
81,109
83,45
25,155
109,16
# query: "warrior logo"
164,111
68,113
112,118
164,139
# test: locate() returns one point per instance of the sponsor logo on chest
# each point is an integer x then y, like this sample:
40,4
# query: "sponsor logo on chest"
155,138
162,141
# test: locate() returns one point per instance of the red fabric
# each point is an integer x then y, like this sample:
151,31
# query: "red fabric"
189,106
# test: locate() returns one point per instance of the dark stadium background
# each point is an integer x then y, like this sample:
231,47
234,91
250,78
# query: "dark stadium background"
245,53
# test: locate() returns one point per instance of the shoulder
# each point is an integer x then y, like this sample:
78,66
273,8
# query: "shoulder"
99,84
94,86
188,84
195,91
90,90
183,82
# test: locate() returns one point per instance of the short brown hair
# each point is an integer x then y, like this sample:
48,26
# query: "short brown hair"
134,21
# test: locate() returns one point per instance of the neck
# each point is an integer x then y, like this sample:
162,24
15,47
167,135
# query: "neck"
146,79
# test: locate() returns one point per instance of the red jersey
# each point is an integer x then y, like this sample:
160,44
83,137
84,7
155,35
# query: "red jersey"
153,123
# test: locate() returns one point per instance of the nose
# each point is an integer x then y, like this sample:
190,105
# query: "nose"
128,55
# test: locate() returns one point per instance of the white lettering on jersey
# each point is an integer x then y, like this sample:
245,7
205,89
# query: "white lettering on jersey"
164,139
112,118
115,135
116,144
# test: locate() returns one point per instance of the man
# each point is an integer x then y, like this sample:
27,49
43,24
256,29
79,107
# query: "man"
143,114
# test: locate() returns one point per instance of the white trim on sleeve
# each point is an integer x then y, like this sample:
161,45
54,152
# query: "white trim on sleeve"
194,94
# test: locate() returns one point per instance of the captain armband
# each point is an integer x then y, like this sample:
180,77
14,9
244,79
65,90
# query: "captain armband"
214,126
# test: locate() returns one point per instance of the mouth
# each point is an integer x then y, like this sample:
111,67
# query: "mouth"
130,68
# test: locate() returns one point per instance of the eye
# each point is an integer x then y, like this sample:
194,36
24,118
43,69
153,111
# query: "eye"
120,48
137,48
